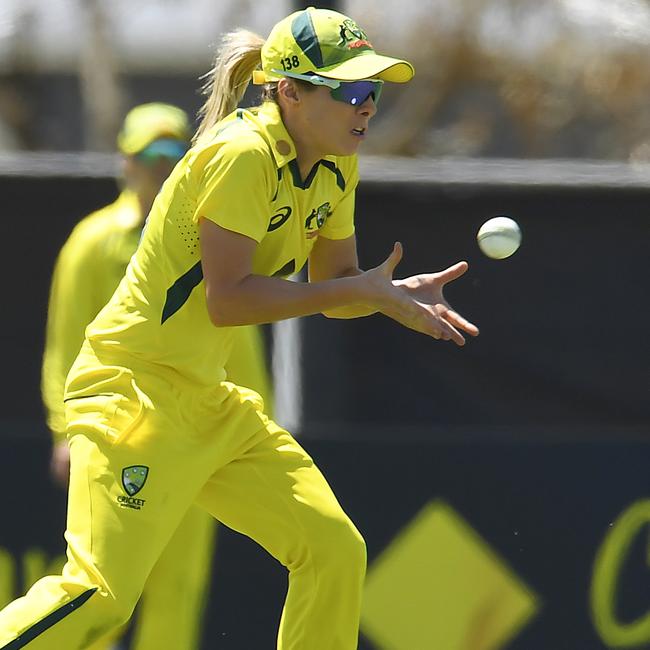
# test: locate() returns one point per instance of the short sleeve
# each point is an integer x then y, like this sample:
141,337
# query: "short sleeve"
235,188
340,224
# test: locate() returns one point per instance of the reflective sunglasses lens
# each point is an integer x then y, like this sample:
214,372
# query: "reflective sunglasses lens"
166,148
357,92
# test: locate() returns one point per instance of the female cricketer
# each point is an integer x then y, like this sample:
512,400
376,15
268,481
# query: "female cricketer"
153,423
152,139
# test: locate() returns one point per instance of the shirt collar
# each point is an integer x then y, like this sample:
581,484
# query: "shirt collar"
281,143
284,150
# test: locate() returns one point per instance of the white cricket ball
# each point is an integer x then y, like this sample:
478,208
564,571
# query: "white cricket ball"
499,237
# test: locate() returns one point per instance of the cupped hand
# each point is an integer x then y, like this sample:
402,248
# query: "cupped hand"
427,288
417,302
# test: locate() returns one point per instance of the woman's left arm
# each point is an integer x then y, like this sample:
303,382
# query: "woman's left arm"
337,258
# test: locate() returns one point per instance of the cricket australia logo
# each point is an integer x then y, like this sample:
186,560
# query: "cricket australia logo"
316,220
352,36
133,480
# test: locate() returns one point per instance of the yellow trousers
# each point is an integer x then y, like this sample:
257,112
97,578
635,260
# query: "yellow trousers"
171,607
144,448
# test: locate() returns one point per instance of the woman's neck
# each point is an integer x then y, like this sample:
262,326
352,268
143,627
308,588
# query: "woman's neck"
306,154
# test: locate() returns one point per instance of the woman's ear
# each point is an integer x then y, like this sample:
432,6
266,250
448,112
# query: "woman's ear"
288,91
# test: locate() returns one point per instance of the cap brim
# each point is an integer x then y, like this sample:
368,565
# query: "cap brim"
370,66
363,66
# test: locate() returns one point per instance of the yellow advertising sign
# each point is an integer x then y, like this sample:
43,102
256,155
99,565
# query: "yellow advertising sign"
605,587
439,586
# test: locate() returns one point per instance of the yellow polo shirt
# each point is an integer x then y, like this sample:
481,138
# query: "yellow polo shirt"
244,177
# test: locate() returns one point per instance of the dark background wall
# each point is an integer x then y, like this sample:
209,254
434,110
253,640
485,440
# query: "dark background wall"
536,432
563,321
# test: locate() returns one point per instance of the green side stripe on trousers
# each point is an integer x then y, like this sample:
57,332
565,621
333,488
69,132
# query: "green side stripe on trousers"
49,621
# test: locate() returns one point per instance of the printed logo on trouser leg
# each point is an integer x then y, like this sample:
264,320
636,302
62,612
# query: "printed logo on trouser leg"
133,480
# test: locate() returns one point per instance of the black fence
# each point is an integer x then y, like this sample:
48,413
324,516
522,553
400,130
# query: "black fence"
502,488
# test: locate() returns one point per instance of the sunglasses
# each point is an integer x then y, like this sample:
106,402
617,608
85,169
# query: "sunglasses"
168,149
348,92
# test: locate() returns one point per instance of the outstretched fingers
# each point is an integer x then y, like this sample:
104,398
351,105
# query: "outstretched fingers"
442,328
453,272
455,319
450,333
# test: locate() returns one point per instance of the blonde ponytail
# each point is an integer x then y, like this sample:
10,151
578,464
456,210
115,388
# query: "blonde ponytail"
237,58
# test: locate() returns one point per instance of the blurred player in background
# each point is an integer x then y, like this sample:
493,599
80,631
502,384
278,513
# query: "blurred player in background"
153,421
89,268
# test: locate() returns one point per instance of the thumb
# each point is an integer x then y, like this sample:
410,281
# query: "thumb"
391,262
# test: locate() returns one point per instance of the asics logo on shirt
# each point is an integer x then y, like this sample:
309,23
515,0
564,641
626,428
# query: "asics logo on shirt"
279,218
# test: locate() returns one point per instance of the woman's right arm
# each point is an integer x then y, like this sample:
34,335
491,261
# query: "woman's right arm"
236,296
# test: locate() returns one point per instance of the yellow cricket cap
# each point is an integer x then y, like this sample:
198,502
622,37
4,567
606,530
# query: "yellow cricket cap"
327,43
149,122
